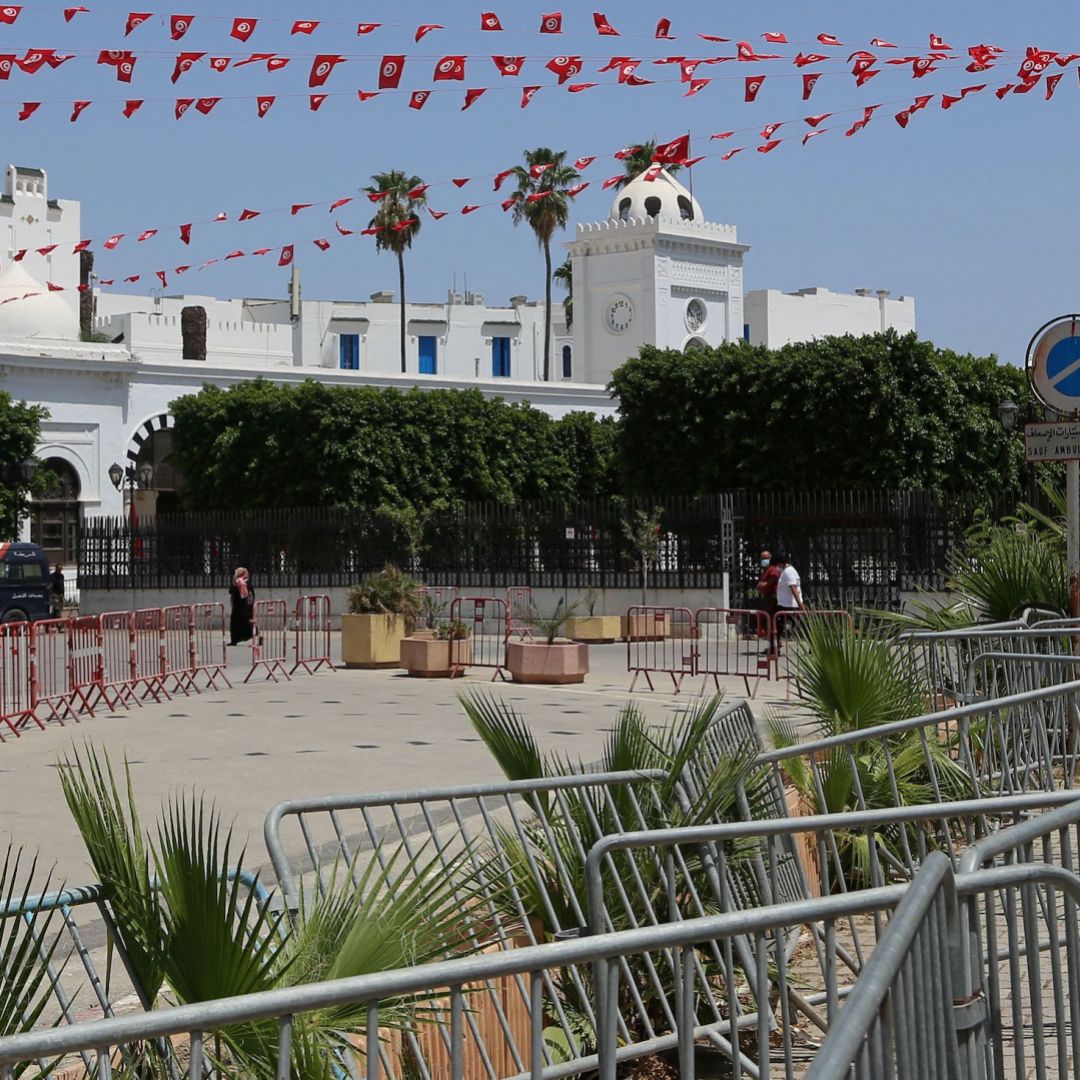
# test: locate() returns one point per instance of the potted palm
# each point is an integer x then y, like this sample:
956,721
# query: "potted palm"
593,629
552,659
382,612
442,653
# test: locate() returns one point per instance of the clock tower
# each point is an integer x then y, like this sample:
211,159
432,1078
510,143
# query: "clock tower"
655,273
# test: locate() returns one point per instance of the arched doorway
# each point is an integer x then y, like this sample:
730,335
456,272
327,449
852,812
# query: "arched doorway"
157,451
56,514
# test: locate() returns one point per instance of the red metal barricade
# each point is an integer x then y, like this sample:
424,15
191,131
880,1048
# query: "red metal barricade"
49,673
519,608
269,647
177,646
208,646
733,642
787,634
312,645
147,654
16,687
486,618
117,684
660,640
84,662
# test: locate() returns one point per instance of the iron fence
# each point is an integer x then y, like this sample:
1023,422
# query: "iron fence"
853,549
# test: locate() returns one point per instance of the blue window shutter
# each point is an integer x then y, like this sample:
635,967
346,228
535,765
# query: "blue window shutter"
500,358
429,355
349,352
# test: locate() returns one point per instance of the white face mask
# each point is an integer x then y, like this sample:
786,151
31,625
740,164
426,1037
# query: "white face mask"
764,564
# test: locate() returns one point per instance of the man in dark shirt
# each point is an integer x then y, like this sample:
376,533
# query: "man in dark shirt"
56,599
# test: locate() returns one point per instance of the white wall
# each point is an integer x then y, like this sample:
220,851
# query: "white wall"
777,318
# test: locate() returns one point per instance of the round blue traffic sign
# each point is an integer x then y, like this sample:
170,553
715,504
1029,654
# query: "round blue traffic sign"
1053,364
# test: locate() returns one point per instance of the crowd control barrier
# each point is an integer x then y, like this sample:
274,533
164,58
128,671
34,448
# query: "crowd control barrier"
208,647
722,648
270,645
489,627
660,640
519,607
312,645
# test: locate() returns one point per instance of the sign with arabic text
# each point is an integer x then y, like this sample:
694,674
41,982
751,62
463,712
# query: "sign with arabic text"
1052,442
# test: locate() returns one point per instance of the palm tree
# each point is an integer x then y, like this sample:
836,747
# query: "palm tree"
542,200
564,275
398,221
639,160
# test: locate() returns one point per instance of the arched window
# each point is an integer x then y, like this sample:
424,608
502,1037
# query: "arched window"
56,514
624,209
567,362
157,451
695,344
686,208
652,206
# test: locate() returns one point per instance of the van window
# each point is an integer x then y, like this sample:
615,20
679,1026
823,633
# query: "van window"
22,572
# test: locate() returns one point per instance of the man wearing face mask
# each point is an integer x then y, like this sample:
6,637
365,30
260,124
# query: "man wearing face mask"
767,584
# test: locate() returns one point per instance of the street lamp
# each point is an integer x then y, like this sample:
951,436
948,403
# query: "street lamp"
1007,412
141,477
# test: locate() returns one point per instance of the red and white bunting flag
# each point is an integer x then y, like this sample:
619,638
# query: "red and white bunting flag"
812,135
472,97
747,53
264,105
565,67
220,63
536,171
775,37
126,68
461,181
110,244
450,69
255,58
536,196
509,65
367,28
577,88
47,250
342,230
185,234
132,106
315,101
54,288
829,40
248,215
881,43
390,72
184,63
576,190
7,61
806,59
937,44
418,99
71,12
922,66
509,204
79,107
438,215
816,121
603,27
808,84
863,77
296,208
206,105
551,24
754,84
903,117
731,153
769,147
135,20
18,257
338,204
528,94
131,280
367,95
424,29
721,135
673,153
401,226
663,30
469,209
82,245
182,106
1051,85
322,245
490,21
262,251
234,255
321,68
1002,91
583,162
33,61
179,25
28,109
304,26
286,256
863,62
501,178
611,181
769,130
242,29
8,15
147,234
713,38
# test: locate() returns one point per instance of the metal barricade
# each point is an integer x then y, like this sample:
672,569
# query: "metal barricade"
16,682
519,608
148,661
660,640
118,664
787,627
435,601
84,661
208,660
486,618
724,648
50,677
270,644
177,648
312,645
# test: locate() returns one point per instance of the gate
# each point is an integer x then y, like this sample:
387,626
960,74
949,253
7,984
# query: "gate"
660,640
269,646
487,621
723,648
312,647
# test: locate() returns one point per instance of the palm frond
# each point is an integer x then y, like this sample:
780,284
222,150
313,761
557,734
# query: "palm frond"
506,734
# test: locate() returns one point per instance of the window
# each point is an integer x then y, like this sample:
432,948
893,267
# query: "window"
429,355
686,208
624,209
653,206
350,352
567,362
746,331
500,358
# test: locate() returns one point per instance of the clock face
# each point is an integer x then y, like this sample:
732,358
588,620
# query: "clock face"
696,314
619,315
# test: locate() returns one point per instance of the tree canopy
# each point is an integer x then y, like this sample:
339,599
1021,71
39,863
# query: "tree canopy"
20,426
882,411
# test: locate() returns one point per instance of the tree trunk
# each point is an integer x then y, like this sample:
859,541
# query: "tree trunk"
547,312
401,287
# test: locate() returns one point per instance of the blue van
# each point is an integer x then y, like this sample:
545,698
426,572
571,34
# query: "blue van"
25,591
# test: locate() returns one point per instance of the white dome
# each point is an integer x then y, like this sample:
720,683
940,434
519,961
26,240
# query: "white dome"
44,315
662,197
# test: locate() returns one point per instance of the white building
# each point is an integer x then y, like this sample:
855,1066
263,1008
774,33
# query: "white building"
655,272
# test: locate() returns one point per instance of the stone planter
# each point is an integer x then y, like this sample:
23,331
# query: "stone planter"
430,658
538,662
645,627
372,641
594,629
800,804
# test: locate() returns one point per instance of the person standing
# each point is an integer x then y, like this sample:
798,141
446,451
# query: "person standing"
242,611
788,594
56,595
767,583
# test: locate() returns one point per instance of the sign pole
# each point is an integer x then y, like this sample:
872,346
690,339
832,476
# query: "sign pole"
1072,527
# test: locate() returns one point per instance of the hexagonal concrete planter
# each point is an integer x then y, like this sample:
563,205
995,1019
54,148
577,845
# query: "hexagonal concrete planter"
430,658
594,629
538,662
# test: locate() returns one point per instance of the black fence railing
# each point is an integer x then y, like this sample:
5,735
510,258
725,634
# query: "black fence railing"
851,548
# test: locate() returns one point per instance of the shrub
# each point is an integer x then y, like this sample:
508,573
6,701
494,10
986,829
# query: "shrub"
389,592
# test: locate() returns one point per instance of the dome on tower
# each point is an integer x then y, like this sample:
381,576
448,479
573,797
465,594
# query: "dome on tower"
33,311
663,196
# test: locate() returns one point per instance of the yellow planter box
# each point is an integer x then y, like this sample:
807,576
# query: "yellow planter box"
372,641
594,629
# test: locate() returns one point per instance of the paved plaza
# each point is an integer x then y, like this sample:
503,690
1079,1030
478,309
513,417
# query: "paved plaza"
334,732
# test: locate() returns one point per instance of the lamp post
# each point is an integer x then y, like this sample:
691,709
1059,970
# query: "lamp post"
1007,412
133,478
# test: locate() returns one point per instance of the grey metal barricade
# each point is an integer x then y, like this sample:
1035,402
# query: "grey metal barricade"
733,642
487,620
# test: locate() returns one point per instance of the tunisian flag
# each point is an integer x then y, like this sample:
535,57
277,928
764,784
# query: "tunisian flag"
675,152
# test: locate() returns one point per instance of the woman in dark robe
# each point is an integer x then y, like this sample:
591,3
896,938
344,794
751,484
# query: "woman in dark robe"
242,614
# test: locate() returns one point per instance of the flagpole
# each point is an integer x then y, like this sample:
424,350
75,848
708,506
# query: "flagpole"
690,170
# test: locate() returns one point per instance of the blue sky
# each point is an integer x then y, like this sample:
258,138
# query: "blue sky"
968,210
